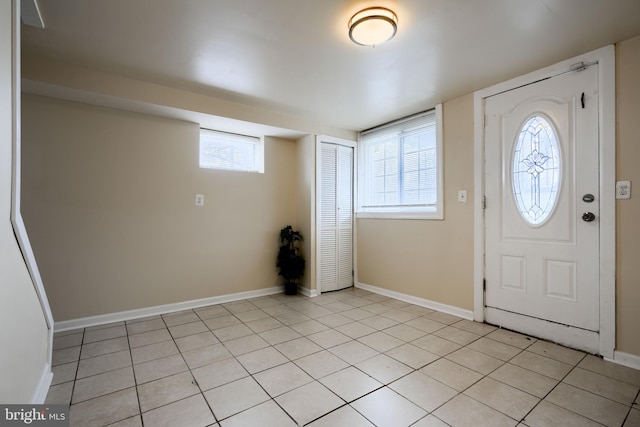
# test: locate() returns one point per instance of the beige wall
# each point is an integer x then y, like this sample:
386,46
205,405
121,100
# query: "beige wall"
628,211
434,259
426,258
108,200
23,329
306,183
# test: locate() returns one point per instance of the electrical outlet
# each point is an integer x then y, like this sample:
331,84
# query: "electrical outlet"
623,190
199,199
462,196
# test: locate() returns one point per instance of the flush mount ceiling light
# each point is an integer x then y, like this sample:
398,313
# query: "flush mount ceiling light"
372,26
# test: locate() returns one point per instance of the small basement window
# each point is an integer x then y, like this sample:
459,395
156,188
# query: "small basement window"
230,151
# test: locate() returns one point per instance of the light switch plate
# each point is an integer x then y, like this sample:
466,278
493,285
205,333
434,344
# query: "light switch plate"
462,196
623,190
199,199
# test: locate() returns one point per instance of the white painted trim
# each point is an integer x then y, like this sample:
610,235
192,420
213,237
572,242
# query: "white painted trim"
606,60
313,268
625,359
433,213
607,99
478,210
426,214
318,201
317,213
16,217
580,339
433,305
85,322
311,293
30,13
355,230
440,160
42,390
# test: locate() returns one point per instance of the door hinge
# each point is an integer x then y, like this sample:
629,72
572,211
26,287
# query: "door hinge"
484,202
579,66
484,285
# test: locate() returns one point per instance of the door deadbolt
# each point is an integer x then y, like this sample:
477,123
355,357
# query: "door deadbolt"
588,198
588,216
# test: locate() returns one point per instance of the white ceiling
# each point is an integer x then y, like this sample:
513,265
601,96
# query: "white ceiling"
294,56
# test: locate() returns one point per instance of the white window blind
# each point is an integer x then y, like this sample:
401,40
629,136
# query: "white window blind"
400,169
222,150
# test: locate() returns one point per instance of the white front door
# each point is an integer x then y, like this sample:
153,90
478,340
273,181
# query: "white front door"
542,208
336,217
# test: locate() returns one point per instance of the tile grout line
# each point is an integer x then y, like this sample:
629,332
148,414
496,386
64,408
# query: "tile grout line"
353,321
135,379
215,417
458,393
596,394
314,379
631,407
556,386
194,381
383,385
561,381
296,308
271,398
235,358
73,387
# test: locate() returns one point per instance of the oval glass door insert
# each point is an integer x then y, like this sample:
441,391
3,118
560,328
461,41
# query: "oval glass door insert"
536,170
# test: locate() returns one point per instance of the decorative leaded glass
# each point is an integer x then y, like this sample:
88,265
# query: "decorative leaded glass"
536,170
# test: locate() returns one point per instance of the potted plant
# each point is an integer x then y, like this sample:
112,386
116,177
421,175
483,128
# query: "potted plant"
290,262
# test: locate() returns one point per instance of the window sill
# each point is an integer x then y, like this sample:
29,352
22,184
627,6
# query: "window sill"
432,215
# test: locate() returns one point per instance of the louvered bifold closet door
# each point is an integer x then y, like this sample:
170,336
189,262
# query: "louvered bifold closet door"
336,217
329,218
345,217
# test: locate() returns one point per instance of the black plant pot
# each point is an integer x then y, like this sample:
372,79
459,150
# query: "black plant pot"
291,288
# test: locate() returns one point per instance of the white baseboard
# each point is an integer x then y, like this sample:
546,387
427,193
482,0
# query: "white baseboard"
42,390
85,322
625,359
433,305
311,293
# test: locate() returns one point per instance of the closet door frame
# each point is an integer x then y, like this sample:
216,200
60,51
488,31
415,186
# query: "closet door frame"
318,241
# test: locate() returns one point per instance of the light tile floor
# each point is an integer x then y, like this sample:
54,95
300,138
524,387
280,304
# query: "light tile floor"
349,358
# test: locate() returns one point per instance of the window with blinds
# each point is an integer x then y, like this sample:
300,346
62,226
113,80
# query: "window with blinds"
229,151
400,168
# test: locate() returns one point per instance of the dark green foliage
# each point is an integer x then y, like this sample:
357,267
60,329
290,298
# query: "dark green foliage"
290,262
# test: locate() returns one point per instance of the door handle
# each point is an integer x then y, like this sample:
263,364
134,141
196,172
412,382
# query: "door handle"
588,216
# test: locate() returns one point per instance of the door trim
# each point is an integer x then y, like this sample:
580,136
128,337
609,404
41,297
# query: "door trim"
17,222
347,143
605,57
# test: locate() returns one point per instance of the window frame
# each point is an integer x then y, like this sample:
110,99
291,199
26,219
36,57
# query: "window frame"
258,161
430,212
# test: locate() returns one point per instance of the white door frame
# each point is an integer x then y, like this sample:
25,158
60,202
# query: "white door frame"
607,134
16,215
347,143
17,222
